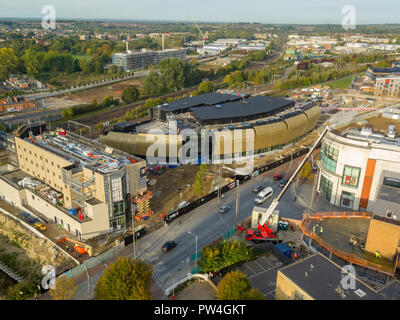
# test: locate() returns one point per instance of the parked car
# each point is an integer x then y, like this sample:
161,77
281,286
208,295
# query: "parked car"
278,177
169,245
257,189
264,195
224,209
283,183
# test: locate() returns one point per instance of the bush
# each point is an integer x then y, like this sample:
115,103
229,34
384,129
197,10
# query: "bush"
235,285
24,290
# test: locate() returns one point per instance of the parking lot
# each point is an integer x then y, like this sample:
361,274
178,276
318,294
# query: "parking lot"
262,274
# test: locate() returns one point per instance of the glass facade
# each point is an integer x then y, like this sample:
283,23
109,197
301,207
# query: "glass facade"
351,176
329,157
326,187
391,182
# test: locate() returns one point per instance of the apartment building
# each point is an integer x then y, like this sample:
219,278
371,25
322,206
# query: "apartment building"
81,185
128,61
388,86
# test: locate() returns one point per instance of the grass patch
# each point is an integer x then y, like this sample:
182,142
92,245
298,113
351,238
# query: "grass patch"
343,83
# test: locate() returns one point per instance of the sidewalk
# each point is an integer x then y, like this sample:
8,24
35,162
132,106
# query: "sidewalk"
86,288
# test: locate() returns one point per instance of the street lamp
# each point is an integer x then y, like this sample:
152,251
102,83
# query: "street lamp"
195,255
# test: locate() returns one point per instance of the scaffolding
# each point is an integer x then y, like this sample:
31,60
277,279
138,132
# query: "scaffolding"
143,203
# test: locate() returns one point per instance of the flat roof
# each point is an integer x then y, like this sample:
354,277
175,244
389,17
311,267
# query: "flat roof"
250,108
206,99
321,279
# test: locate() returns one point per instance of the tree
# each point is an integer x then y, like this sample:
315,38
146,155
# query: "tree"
22,291
125,279
130,94
8,62
206,87
32,61
65,289
235,285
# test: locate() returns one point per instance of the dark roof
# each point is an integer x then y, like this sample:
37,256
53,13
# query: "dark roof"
391,291
207,99
247,109
323,278
385,70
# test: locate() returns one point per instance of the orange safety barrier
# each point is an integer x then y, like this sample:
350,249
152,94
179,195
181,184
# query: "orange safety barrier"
344,255
354,214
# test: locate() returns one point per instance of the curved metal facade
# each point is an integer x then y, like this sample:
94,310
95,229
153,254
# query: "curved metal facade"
265,136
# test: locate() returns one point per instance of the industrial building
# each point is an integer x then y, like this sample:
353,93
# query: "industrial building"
83,186
360,170
273,123
129,60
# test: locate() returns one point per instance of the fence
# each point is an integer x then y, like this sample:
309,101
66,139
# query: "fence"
193,205
93,262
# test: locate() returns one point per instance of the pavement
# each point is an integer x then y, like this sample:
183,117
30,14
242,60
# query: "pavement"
197,291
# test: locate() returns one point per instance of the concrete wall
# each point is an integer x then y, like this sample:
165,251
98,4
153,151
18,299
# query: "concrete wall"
383,237
286,289
12,194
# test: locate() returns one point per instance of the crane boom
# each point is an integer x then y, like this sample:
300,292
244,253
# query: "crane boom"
275,202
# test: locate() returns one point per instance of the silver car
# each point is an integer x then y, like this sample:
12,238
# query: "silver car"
224,209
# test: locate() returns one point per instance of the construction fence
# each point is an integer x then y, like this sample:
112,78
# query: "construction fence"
241,178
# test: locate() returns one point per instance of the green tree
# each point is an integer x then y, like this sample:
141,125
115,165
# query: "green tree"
65,289
125,279
130,94
206,87
32,61
235,285
8,62
22,291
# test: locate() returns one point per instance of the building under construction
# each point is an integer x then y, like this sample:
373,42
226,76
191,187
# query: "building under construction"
129,61
367,241
83,186
228,126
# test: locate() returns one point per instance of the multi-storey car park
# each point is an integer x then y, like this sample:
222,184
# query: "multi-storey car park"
82,185
272,123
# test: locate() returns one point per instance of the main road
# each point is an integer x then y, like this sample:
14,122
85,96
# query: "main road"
208,225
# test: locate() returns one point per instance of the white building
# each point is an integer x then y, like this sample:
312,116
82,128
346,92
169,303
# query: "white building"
361,171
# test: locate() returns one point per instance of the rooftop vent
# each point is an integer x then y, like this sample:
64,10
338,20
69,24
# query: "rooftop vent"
218,106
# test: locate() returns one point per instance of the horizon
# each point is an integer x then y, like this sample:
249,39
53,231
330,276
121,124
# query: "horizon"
287,12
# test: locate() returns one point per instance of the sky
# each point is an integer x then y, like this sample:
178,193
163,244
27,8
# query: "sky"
262,11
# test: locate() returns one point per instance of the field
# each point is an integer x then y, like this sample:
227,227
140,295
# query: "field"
343,83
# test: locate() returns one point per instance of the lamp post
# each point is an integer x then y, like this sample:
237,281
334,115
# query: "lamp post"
195,255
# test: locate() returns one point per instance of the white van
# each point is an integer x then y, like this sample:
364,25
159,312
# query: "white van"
264,195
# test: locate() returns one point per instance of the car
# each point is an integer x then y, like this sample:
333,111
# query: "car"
224,209
264,195
169,245
278,177
283,183
257,189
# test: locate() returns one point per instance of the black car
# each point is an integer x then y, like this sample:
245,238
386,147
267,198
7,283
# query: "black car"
283,183
169,245
257,189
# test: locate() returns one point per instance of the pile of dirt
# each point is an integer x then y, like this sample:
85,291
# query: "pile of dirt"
27,246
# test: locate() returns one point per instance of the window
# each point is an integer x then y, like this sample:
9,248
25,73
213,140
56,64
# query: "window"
326,188
116,189
392,182
351,176
329,157
347,200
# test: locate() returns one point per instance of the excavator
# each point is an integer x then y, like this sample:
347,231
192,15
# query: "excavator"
79,247
264,233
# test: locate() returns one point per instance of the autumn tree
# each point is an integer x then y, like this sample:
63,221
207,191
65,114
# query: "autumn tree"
130,94
236,285
125,279
65,289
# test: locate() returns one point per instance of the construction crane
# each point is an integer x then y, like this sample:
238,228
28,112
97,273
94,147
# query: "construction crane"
204,37
264,233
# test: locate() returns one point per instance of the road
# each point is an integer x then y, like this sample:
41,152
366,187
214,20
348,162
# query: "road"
208,225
